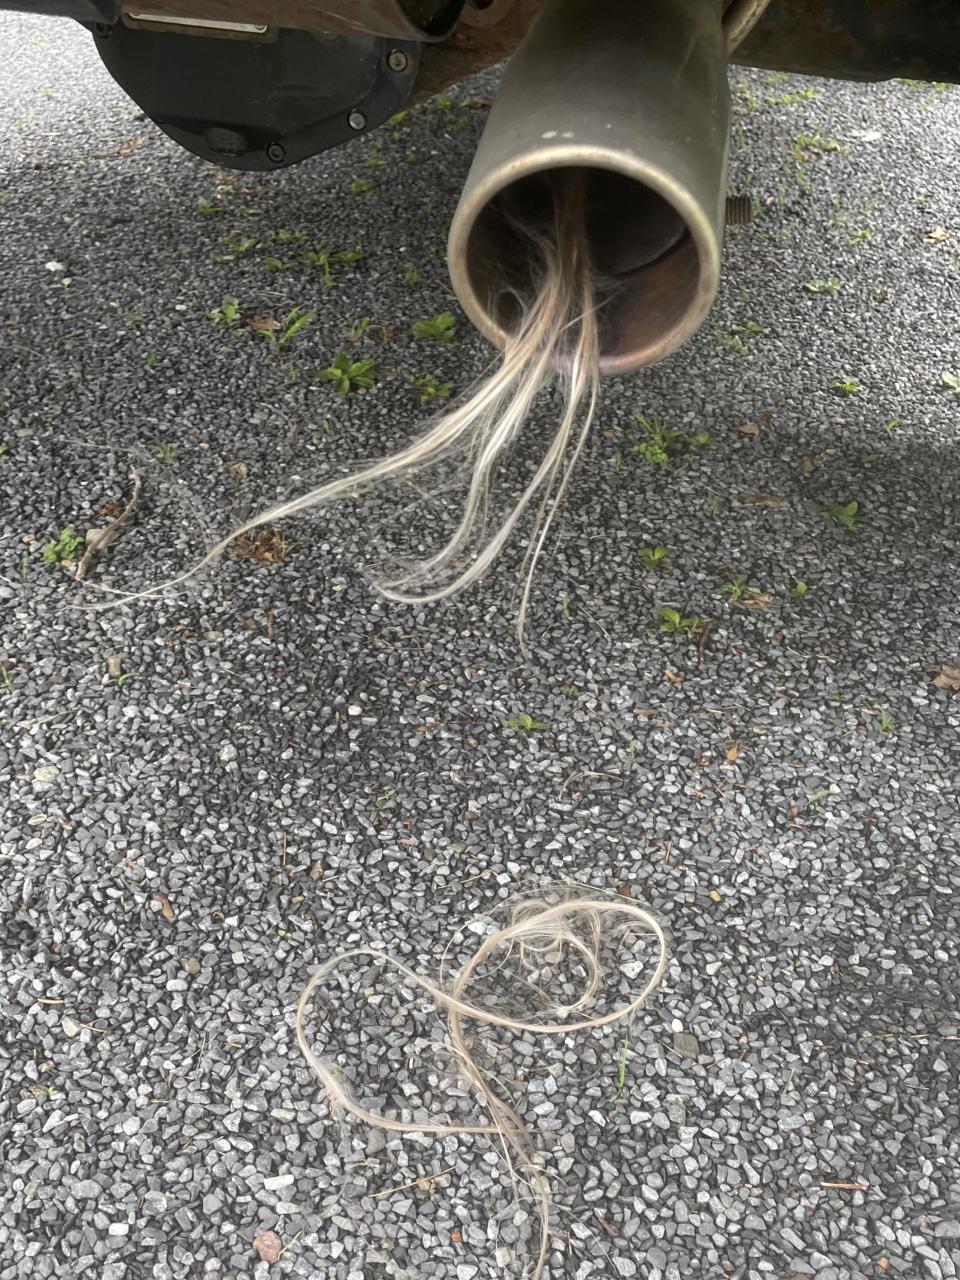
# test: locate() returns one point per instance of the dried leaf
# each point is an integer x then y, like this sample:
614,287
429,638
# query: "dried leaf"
114,665
128,146
749,429
268,1245
937,236
770,500
267,544
263,324
755,600
845,1186
673,677
624,889
733,751
237,470
807,464
166,906
715,895
866,135
883,1264
948,677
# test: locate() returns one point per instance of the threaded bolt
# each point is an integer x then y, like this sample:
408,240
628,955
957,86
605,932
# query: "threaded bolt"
739,211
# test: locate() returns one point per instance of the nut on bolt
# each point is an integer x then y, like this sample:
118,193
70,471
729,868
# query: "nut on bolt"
357,120
397,60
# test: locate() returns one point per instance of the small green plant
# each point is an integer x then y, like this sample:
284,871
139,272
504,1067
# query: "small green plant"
361,186
739,591
364,327
207,207
732,341
800,590
847,387
804,143
227,315
239,245
287,237
411,275
293,323
279,264
952,382
661,443
327,259
885,721
429,387
860,235
165,452
438,328
846,514
891,426
830,285
151,359
65,548
673,622
652,557
798,95
4,448
737,339
525,723
346,375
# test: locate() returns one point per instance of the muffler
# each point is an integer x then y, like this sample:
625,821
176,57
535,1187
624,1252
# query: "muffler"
634,95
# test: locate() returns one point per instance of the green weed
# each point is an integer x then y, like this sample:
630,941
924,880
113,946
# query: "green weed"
346,375
847,387
652,557
739,591
525,723
227,315
846,515
438,328
429,387
64,548
673,622
327,259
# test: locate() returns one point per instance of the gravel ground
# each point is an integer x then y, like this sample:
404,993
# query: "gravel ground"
207,794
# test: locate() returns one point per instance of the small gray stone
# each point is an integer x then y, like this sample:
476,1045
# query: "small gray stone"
686,1045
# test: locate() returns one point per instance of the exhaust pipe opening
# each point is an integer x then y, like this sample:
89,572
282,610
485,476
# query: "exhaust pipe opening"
633,99
647,264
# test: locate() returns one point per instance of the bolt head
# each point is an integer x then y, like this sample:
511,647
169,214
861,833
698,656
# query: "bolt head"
397,60
276,153
357,120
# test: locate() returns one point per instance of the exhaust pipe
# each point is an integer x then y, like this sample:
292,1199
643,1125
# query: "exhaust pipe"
635,96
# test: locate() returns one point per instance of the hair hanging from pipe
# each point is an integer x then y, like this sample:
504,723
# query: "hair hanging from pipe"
555,338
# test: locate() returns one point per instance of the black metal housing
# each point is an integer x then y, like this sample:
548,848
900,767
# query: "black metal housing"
260,104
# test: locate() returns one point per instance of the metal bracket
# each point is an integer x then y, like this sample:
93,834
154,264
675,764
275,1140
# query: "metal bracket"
399,19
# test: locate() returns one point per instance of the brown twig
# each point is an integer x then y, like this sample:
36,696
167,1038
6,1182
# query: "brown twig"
110,534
